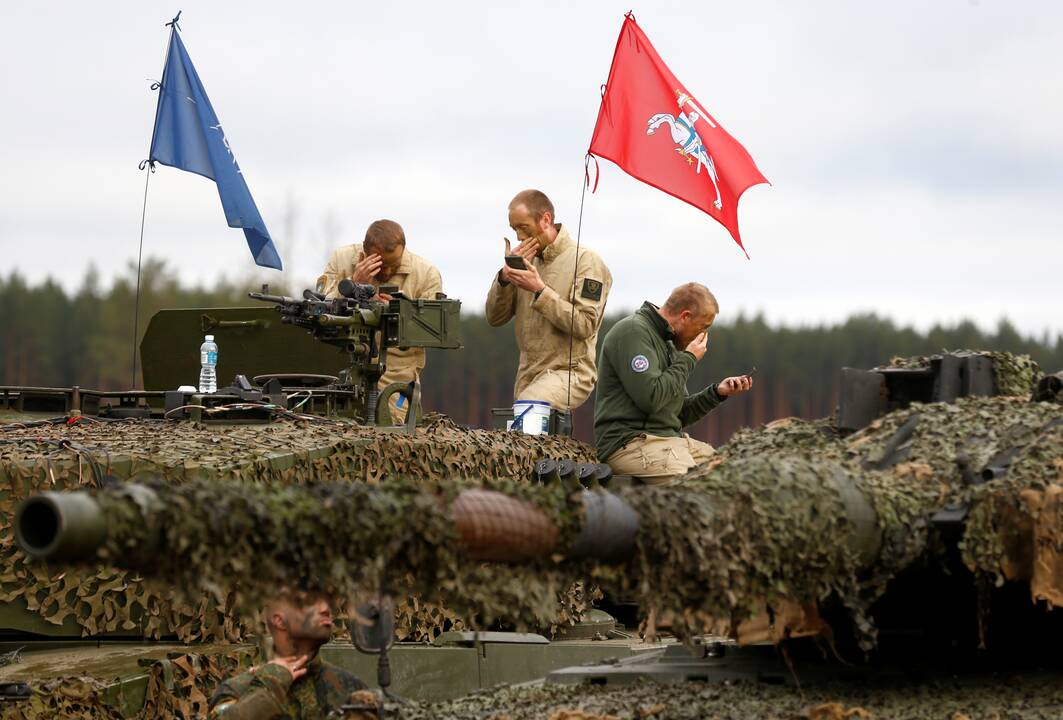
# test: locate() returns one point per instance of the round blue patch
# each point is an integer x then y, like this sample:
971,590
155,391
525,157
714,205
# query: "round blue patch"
640,363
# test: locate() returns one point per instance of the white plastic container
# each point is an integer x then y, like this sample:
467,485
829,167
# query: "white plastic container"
532,417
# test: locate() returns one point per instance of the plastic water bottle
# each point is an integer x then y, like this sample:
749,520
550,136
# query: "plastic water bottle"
208,365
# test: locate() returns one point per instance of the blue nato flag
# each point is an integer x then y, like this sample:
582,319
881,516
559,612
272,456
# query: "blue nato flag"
188,136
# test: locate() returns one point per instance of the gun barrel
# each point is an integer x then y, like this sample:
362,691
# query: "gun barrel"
60,526
77,526
489,525
276,299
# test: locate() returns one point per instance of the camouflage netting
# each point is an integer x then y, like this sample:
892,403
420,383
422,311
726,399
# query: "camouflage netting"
238,544
757,527
1034,697
61,456
1014,374
779,519
76,698
178,688
767,522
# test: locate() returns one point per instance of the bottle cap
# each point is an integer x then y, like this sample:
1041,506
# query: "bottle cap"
209,338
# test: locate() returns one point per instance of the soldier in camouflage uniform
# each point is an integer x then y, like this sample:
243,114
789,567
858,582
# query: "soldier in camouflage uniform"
296,684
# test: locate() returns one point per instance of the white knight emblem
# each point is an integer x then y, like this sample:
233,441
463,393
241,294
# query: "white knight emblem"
687,139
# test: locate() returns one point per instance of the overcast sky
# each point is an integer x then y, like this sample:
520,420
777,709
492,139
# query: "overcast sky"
915,149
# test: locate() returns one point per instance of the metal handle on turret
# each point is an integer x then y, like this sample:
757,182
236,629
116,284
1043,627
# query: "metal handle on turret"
209,322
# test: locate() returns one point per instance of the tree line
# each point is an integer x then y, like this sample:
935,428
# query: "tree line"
49,337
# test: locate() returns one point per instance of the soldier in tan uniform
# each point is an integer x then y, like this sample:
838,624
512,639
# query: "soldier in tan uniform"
541,298
384,260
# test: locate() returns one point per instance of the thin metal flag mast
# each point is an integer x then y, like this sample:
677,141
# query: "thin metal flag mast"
187,135
149,168
575,271
140,256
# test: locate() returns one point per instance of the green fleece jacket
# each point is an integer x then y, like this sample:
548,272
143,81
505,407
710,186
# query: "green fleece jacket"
642,384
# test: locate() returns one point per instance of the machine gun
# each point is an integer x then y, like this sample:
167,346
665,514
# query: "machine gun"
365,327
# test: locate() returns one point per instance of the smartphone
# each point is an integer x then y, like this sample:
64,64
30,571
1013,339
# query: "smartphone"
516,262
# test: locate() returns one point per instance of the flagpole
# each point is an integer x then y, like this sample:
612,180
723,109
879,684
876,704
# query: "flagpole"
148,165
575,270
149,169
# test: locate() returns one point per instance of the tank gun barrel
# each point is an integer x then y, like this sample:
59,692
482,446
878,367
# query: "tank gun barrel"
806,514
60,526
490,526
751,532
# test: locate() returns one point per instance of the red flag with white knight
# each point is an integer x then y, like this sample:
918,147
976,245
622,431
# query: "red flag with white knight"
652,127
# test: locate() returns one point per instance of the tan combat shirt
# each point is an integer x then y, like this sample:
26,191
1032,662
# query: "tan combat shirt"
542,324
415,277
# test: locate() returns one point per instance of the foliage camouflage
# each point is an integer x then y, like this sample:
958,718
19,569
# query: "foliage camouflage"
178,688
764,522
62,456
1014,374
1031,697
753,530
906,464
239,543
71,698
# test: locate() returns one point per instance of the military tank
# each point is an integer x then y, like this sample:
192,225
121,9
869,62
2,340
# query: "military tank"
908,521
302,406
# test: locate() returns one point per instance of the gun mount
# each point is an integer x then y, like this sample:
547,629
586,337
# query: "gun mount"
364,326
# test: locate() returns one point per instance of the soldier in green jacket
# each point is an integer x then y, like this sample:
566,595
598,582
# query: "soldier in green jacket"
296,684
642,403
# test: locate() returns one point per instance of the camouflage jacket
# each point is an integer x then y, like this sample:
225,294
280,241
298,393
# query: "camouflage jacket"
268,693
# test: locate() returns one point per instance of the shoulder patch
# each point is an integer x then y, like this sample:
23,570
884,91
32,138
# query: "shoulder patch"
640,363
592,289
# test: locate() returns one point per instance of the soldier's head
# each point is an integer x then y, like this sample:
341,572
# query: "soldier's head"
386,239
296,618
690,310
531,215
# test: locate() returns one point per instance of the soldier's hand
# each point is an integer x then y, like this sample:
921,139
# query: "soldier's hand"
698,345
527,249
526,279
504,272
295,665
366,268
734,385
